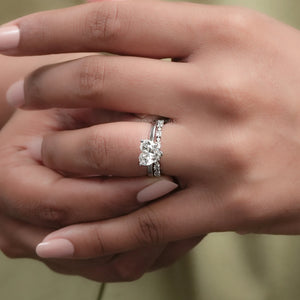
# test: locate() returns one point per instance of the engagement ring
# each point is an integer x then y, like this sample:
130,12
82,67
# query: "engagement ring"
151,153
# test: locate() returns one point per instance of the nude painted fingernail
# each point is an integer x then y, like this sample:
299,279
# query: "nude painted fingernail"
9,37
57,248
156,190
15,94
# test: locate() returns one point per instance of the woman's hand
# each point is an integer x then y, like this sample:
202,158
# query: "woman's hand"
232,92
32,205
30,208
35,200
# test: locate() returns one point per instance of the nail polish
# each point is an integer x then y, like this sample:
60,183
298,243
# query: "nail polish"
15,94
9,37
56,248
156,190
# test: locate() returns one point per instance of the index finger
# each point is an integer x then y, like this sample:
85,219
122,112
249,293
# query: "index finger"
147,29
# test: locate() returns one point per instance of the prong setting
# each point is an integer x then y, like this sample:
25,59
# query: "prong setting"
150,150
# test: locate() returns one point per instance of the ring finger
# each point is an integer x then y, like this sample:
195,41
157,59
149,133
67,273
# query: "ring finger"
112,149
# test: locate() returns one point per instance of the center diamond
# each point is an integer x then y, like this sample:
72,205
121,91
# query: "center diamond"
150,153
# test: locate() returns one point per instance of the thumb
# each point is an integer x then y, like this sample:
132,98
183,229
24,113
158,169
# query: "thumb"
170,219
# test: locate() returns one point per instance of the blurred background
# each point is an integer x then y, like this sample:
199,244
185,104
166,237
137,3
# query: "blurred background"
11,9
284,10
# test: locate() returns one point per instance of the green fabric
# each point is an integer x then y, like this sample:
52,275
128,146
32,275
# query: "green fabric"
223,267
12,9
31,280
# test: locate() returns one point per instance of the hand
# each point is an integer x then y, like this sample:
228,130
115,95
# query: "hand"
19,237
233,96
34,199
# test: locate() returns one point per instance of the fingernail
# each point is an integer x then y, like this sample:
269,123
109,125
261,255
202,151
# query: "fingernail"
57,248
9,37
156,190
35,148
15,94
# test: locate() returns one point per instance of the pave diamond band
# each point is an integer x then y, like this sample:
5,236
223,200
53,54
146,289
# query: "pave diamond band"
151,153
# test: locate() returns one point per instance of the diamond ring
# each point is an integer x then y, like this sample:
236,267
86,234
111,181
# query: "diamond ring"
151,153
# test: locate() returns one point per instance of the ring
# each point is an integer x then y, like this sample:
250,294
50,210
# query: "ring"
151,153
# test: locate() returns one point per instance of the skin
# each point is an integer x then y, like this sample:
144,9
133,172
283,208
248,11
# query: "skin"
231,91
25,219
24,182
16,68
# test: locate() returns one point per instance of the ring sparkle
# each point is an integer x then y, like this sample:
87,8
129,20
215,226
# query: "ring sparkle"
150,150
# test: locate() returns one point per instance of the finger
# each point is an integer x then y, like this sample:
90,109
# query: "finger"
127,27
112,149
127,84
46,198
170,219
19,239
174,251
127,266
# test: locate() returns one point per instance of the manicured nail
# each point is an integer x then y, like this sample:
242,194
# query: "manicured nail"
156,190
9,37
35,148
57,248
15,94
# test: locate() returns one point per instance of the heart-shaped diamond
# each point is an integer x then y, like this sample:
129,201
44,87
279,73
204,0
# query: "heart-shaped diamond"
150,153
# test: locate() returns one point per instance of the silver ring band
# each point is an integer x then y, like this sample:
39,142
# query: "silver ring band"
151,153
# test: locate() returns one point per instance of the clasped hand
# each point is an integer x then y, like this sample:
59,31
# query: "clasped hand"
232,94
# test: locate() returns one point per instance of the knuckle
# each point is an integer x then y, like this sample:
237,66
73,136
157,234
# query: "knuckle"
233,25
102,24
125,272
230,98
37,35
97,244
238,19
91,78
57,268
149,229
97,152
51,215
226,95
13,252
235,152
242,208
